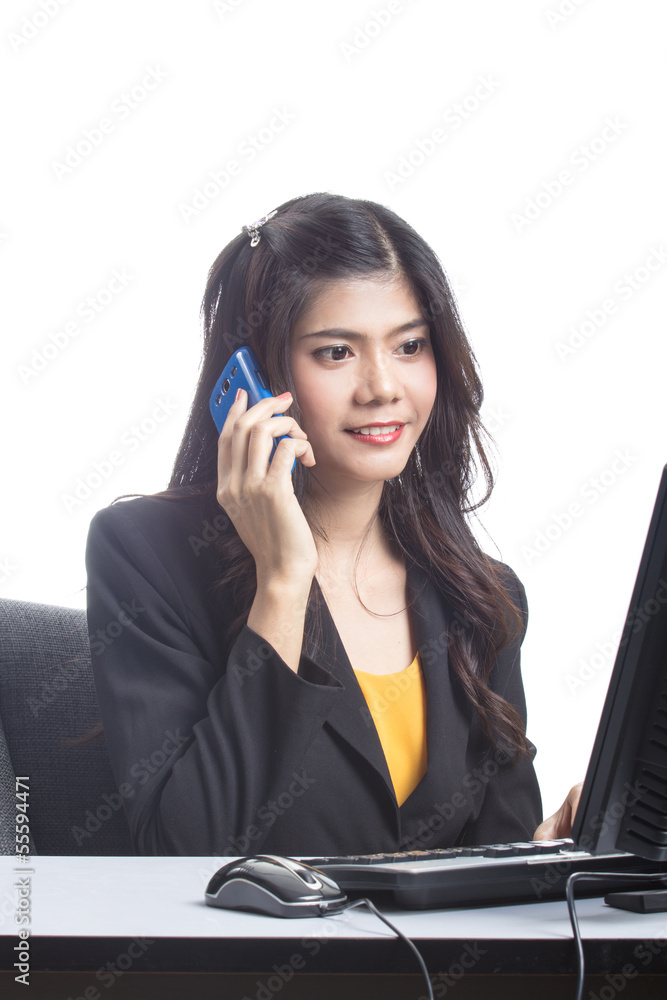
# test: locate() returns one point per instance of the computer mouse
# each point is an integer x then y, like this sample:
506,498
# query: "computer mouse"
277,887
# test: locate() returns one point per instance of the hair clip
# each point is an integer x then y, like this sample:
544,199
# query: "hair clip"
252,229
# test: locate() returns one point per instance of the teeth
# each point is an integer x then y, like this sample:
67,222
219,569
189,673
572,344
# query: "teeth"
375,431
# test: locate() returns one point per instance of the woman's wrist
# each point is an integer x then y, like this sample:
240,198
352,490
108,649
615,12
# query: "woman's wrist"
279,586
278,614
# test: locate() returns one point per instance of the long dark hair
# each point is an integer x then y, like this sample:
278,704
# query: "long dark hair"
254,296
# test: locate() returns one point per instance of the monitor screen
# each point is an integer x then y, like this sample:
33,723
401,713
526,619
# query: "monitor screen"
623,805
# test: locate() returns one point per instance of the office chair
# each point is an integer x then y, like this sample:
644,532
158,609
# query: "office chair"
49,734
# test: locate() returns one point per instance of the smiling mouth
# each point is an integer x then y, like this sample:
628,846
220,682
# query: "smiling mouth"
377,434
375,430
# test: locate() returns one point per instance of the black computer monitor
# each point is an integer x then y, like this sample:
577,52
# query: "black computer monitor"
623,805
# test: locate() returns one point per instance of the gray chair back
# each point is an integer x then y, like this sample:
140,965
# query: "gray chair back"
50,734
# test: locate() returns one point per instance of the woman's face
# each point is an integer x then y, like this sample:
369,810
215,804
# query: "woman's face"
365,378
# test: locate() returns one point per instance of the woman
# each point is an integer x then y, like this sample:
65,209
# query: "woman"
321,662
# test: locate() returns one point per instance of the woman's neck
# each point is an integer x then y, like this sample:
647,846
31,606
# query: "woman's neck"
347,528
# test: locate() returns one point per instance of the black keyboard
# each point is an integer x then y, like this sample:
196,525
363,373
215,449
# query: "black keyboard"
492,874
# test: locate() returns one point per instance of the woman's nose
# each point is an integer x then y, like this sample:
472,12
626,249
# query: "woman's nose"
377,381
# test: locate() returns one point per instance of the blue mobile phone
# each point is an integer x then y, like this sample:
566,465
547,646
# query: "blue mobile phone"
242,371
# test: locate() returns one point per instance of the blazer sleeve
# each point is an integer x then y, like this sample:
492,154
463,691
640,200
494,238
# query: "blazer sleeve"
511,806
197,742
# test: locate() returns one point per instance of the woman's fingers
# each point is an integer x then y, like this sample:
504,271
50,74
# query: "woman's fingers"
255,436
248,477
242,416
559,825
257,493
262,438
247,437
237,408
287,451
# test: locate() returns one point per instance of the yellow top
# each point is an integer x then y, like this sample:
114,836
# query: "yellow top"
397,703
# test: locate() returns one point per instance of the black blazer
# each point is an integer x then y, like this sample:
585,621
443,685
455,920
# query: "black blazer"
221,750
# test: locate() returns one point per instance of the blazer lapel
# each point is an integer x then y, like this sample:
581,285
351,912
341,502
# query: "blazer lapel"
447,723
350,717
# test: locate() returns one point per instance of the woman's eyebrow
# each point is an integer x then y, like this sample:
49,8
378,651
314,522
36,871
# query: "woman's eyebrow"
354,335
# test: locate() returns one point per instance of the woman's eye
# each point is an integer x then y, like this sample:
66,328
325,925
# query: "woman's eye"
337,353
412,347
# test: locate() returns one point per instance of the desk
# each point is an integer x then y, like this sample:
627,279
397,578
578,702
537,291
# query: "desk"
109,919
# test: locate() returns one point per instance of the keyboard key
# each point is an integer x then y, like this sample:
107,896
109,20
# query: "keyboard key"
524,850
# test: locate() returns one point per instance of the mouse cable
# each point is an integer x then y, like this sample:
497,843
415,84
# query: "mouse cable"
371,906
569,895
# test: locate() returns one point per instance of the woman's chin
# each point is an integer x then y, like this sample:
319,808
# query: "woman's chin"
367,473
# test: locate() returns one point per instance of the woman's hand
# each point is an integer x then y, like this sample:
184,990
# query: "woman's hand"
559,825
258,496
260,501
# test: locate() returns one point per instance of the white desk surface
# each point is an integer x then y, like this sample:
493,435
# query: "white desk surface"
164,897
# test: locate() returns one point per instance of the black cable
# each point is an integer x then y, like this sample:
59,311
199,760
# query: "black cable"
569,896
371,906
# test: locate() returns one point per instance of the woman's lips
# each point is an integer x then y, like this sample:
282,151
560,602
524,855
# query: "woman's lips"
377,433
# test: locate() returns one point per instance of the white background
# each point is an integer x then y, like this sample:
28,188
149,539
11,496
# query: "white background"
363,85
